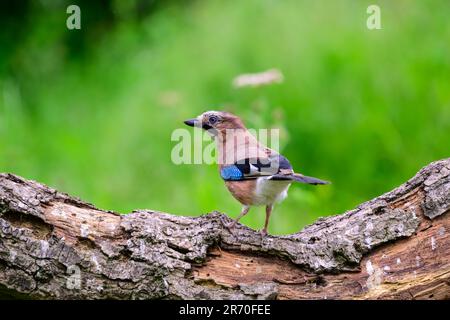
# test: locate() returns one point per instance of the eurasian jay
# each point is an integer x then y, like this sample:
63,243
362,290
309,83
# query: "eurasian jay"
254,174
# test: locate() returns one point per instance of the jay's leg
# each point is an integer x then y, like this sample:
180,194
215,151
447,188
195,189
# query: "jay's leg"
268,212
244,211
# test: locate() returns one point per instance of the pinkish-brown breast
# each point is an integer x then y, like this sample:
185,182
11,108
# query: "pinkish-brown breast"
243,191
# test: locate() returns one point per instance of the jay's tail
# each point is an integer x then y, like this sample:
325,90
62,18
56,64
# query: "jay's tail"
309,180
299,178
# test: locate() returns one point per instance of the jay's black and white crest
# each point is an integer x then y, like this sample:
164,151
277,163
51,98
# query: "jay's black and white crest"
254,174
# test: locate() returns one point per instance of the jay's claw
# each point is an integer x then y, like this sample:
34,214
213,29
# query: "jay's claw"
263,232
230,226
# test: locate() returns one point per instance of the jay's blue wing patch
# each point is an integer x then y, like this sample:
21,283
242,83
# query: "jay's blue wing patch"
231,173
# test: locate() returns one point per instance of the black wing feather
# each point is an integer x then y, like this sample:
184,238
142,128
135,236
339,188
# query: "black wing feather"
267,166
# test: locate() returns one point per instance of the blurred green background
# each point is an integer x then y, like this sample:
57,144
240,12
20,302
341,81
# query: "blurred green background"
91,111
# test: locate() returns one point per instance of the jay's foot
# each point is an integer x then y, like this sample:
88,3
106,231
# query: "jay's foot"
230,226
263,233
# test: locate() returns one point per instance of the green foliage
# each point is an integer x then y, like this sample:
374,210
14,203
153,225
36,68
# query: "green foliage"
91,112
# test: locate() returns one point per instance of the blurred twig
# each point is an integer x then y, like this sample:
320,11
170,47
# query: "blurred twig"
258,79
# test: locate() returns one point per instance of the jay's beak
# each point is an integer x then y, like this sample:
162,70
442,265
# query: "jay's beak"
191,122
197,123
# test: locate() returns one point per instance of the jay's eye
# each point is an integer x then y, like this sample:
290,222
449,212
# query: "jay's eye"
213,119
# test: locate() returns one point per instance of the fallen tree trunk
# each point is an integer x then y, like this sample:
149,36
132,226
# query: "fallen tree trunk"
396,246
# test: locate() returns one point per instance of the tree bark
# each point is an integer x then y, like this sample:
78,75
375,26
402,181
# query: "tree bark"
54,246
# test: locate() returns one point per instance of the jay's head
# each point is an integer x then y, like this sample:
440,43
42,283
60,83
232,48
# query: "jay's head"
216,121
